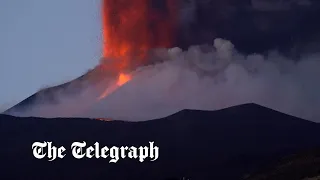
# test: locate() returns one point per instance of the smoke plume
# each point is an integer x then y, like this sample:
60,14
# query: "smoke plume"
203,78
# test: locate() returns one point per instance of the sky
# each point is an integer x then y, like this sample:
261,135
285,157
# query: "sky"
45,43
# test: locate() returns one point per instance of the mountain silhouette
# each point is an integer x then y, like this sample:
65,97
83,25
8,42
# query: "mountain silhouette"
225,144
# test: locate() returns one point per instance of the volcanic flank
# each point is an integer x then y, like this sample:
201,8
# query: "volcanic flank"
206,78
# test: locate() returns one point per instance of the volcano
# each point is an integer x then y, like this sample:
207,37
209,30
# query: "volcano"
156,25
166,75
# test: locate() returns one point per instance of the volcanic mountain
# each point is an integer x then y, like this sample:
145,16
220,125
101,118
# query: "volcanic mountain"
255,26
142,78
204,78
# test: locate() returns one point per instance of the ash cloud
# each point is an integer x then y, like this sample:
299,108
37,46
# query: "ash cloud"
203,78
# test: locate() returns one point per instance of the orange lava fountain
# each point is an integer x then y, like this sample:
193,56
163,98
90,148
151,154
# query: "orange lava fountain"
130,29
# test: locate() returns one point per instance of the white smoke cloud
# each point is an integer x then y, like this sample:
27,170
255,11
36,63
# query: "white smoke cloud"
204,78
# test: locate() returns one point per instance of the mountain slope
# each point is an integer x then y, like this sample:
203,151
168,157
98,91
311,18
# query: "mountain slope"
224,144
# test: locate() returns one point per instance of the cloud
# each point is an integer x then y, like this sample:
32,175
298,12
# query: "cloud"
205,78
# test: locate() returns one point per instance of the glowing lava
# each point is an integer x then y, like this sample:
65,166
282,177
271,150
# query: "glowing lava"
123,78
130,29
104,119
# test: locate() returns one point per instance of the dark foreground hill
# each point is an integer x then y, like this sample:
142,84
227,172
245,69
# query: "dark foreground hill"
304,165
225,144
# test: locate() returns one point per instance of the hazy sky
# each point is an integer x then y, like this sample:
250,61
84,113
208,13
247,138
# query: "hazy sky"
45,43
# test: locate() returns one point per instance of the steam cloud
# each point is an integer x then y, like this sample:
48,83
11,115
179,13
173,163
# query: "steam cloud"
204,78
